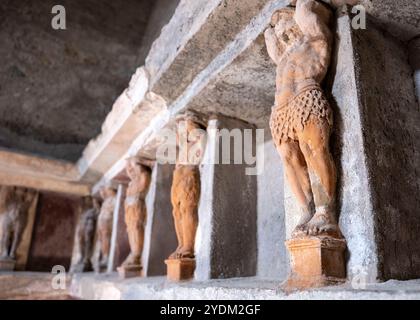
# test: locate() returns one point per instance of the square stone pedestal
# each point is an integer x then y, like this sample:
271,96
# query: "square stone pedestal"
180,269
7,264
316,262
81,267
132,271
100,268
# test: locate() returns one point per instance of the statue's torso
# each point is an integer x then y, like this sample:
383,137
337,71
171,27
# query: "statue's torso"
300,68
107,209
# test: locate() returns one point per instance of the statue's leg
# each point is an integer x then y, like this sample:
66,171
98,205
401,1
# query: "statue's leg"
82,244
135,218
17,231
3,239
18,227
88,245
314,143
190,223
105,238
298,178
176,212
189,212
100,241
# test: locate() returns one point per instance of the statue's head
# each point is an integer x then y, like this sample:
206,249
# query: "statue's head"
285,27
108,191
191,120
96,203
191,137
135,167
191,125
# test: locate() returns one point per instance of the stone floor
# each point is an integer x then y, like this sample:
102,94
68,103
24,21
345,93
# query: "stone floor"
37,286
30,286
158,288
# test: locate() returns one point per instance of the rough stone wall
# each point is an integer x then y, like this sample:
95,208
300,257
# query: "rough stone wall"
122,246
57,86
354,208
401,18
53,232
162,12
414,54
203,46
273,259
376,144
226,244
160,237
391,118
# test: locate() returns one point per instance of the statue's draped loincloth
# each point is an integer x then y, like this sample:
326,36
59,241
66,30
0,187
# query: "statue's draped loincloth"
289,119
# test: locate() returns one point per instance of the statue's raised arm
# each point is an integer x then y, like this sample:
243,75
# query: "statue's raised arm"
313,19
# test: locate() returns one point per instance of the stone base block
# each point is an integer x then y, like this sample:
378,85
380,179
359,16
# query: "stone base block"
316,262
81,267
180,269
7,264
131,271
100,268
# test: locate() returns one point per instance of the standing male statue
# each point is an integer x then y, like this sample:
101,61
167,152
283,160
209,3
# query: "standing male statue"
135,214
105,220
185,194
14,206
299,41
86,234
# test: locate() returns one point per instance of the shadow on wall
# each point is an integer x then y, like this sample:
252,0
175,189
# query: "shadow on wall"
53,233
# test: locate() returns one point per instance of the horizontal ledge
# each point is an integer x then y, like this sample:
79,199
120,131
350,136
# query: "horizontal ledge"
44,184
251,288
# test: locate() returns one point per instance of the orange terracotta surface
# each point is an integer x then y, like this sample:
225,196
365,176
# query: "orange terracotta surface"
180,269
316,262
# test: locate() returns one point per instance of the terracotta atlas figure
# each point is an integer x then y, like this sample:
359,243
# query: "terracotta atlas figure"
14,206
105,218
86,234
185,193
299,41
136,213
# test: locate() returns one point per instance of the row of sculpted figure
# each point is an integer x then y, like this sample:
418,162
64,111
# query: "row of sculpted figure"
14,207
299,40
96,221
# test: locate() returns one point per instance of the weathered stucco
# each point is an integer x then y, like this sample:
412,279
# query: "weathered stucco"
414,55
157,288
226,244
57,86
244,89
401,18
390,118
160,238
273,260
355,210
